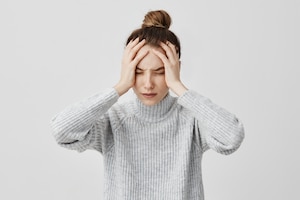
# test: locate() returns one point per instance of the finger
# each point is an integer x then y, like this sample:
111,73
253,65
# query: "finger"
168,51
139,57
132,43
162,56
136,48
173,47
139,45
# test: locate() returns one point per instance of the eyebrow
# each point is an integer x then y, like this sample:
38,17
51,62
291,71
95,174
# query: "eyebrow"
158,69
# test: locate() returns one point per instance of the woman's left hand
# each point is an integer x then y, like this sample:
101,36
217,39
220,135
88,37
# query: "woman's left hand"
172,67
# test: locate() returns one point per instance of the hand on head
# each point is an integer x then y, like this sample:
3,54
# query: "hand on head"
132,56
171,63
129,62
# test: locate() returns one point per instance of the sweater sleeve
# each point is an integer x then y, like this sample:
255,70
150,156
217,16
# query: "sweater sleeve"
85,125
219,129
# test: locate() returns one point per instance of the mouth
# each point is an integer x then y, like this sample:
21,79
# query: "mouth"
149,95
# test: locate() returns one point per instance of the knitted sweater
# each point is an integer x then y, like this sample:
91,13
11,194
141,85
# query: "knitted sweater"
150,152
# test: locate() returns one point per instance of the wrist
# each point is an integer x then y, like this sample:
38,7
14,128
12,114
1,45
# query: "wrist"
121,89
178,88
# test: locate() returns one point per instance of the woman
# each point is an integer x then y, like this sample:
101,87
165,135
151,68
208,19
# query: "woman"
153,145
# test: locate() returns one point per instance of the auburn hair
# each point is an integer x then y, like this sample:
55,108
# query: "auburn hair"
155,29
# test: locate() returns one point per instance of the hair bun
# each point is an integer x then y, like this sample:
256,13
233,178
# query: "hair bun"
157,18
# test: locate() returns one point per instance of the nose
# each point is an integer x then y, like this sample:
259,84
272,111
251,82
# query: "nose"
148,81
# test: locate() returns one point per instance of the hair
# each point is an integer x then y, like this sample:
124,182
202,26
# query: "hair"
155,29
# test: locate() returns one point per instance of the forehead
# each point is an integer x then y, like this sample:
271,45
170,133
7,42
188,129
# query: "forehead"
150,61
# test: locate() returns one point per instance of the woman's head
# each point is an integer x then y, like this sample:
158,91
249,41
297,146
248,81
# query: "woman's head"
150,84
155,29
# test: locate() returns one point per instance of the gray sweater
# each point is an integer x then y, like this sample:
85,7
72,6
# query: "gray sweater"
150,152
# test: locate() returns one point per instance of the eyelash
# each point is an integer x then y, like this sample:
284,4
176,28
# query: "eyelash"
160,73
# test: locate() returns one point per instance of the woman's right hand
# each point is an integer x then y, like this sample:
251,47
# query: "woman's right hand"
129,62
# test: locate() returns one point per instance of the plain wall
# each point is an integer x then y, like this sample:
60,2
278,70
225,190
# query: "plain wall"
243,55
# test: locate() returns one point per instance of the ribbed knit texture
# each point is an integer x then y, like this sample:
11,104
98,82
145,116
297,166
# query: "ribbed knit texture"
150,152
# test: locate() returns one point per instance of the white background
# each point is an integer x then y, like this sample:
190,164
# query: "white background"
243,55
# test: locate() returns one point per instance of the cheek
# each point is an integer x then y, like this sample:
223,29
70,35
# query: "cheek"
161,81
138,81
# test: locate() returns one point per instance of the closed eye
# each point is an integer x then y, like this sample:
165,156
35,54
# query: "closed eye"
161,71
138,71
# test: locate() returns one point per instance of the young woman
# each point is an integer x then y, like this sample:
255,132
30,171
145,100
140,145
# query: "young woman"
153,145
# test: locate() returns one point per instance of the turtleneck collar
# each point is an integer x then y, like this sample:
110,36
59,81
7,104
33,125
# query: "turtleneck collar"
155,112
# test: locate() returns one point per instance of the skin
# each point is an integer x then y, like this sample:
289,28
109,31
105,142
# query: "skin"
150,85
150,71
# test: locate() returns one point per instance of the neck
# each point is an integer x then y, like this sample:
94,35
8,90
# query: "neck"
155,112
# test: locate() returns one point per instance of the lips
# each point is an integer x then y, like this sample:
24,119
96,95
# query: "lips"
149,95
